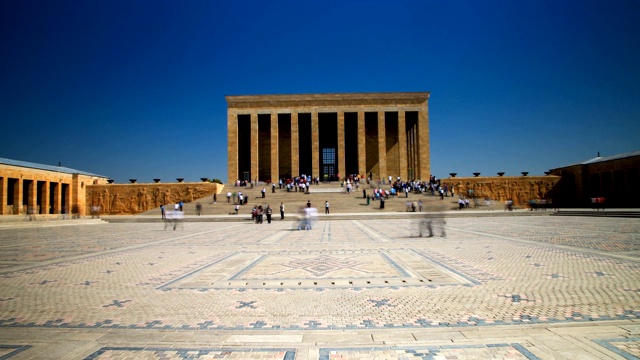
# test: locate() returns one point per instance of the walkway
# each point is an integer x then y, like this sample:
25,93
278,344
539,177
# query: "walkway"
499,287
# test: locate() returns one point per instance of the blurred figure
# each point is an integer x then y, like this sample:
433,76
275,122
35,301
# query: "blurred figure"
198,209
426,225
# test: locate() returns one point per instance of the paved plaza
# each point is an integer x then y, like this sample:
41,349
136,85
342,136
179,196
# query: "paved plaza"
496,287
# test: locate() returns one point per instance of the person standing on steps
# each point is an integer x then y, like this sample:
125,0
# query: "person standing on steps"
268,211
326,207
281,211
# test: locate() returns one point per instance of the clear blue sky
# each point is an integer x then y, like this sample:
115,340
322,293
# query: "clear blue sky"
135,89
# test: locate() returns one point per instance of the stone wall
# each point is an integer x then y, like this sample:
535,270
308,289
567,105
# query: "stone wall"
520,189
118,199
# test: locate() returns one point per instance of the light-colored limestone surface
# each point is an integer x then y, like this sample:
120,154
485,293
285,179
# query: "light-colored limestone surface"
508,287
116,199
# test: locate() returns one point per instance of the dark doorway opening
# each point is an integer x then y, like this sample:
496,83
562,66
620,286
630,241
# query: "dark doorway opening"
284,146
264,147
328,144
244,147
351,143
304,144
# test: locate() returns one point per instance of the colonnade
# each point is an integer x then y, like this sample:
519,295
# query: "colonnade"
326,135
32,196
30,188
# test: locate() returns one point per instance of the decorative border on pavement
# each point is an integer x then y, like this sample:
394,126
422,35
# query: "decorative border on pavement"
312,324
16,350
607,343
196,353
429,352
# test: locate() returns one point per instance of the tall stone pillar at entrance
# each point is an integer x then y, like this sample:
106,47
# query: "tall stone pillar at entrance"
341,144
254,147
275,164
423,142
315,146
402,144
382,146
295,148
362,150
232,146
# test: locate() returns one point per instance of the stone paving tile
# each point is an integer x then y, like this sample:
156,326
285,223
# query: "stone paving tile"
470,352
343,275
117,353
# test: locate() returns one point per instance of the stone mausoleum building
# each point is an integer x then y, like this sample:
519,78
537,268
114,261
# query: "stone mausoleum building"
328,135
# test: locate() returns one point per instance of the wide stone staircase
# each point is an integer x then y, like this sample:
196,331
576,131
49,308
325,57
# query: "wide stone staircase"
340,202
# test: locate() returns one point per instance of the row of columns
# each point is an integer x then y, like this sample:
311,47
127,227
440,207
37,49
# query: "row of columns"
421,143
32,196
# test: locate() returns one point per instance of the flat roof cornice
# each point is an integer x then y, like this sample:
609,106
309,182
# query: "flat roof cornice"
335,99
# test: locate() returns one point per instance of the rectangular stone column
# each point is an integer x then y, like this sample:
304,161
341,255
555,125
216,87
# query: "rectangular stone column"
44,205
32,201
362,149
275,164
382,146
315,146
68,198
423,144
232,147
17,196
341,144
57,198
295,148
402,145
254,147
3,195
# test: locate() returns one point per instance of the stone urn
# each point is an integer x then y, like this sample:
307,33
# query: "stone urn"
547,172
110,181
156,180
453,174
476,174
501,173
525,173
204,179
180,179
133,181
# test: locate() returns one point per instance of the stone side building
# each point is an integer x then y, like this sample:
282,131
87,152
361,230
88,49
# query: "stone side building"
613,177
328,136
30,188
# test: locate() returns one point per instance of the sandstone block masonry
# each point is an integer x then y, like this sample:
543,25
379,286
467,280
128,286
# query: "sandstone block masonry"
328,136
114,199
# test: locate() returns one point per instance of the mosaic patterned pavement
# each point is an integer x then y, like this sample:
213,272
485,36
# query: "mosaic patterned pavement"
526,287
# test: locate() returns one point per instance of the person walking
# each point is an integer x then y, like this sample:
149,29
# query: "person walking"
326,207
163,212
281,211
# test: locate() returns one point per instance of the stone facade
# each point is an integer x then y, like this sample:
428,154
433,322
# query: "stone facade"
519,189
118,199
328,135
612,177
29,188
